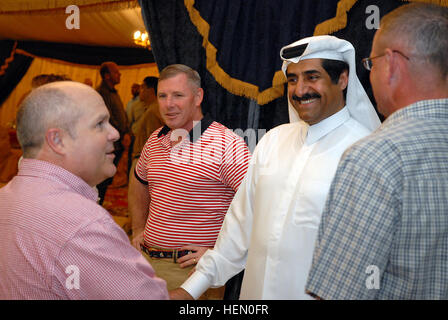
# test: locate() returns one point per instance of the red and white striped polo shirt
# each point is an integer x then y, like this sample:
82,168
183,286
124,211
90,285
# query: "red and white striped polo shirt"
192,184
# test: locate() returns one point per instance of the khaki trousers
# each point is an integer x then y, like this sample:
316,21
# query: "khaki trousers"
174,276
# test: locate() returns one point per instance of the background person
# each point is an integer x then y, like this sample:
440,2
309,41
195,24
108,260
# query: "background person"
110,77
135,90
149,121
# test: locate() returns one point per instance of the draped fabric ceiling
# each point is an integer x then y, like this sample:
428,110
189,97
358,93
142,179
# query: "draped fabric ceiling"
39,27
102,22
259,28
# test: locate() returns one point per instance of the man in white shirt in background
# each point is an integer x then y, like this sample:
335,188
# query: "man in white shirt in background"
271,225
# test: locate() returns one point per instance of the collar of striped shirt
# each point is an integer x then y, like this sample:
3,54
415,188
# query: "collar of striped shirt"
200,126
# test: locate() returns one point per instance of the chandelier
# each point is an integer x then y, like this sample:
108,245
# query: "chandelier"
142,39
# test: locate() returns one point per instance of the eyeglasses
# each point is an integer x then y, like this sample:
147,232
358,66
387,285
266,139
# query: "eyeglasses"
367,62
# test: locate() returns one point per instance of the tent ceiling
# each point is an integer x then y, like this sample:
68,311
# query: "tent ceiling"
102,23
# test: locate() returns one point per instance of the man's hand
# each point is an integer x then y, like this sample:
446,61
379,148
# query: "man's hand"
192,258
138,239
180,294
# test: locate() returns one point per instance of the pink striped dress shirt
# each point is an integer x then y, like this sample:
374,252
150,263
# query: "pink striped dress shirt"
56,242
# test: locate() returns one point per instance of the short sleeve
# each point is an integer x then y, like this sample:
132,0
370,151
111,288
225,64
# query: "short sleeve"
142,163
235,162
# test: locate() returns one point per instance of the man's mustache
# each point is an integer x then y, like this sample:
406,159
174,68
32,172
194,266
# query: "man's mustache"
306,96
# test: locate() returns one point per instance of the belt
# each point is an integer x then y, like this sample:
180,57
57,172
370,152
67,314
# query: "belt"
164,253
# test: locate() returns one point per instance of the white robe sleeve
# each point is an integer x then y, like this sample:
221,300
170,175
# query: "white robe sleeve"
229,255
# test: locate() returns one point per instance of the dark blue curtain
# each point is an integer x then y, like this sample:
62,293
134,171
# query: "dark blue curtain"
248,35
174,39
357,33
15,69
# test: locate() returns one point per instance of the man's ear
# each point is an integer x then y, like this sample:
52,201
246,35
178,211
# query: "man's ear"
199,96
54,138
343,80
392,68
107,76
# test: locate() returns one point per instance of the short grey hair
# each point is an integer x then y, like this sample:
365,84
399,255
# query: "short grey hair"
44,108
423,28
174,69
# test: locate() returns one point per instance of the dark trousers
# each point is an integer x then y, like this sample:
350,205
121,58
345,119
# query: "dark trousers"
233,287
130,151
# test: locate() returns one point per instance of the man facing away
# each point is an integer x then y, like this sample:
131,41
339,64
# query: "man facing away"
56,242
272,223
110,77
150,120
185,179
384,230
135,110
144,118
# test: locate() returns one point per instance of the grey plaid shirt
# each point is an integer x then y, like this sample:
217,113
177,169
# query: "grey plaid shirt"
384,229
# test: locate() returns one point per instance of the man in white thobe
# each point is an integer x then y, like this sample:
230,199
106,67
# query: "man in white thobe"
271,225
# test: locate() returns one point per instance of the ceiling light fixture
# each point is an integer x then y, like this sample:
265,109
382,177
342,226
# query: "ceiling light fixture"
142,39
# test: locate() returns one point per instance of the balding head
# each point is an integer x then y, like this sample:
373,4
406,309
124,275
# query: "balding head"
110,73
67,123
420,30
409,57
54,105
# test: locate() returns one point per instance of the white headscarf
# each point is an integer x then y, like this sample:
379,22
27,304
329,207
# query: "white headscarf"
330,47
